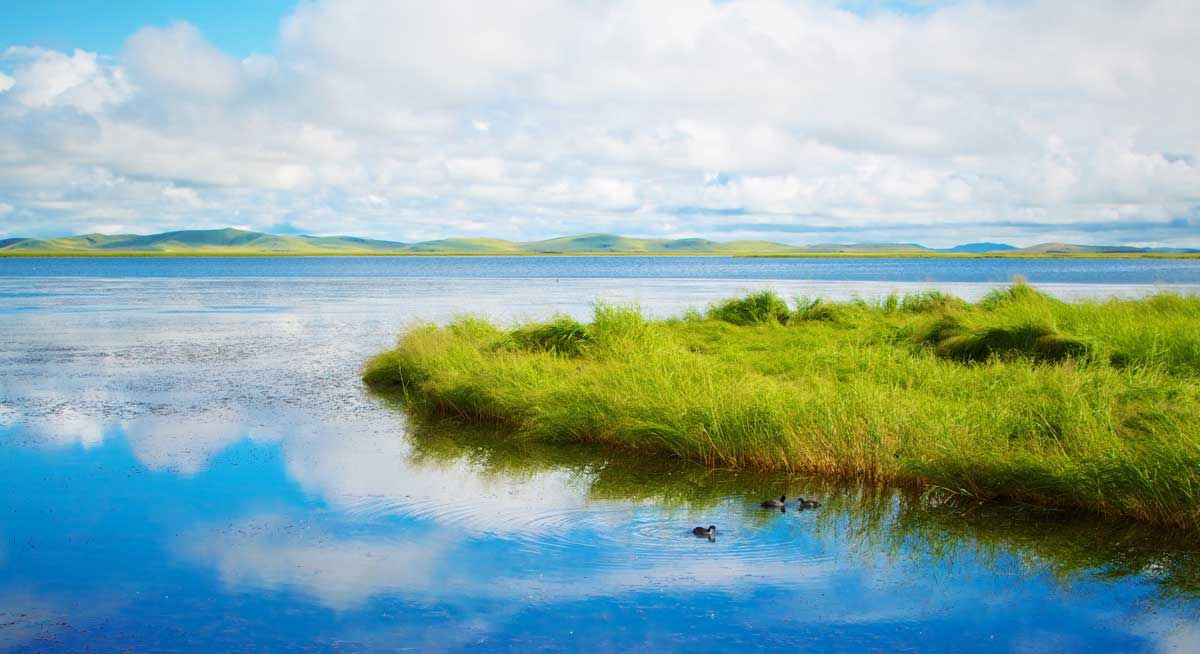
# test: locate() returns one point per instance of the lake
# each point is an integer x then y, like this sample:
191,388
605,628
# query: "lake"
188,462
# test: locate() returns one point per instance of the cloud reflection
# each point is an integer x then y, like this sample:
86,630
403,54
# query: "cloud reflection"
274,552
353,512
271,552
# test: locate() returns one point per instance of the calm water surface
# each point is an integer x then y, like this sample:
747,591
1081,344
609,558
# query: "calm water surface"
189,463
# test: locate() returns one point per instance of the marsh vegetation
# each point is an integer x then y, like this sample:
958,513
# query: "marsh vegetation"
1083,405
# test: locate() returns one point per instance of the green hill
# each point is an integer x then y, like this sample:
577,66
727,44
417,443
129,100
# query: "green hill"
592,243
199,241
865,248
237,241
978,248
596,243
242,242
482,245
1068,248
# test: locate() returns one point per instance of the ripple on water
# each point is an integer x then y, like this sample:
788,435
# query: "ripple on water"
748,536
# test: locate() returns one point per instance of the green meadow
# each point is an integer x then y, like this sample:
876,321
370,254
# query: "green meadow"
1091,406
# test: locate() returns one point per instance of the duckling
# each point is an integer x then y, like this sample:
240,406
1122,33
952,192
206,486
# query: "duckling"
701,531
807,504
775,504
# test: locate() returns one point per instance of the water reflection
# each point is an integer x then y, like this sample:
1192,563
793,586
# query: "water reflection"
273,552
866,520
193,465
104,545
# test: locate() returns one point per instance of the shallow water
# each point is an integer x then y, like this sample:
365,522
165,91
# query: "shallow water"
188,462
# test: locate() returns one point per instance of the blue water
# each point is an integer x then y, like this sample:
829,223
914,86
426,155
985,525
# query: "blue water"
189,463
981,270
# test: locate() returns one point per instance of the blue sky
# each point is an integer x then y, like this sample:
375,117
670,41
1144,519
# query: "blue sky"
239,28
794,120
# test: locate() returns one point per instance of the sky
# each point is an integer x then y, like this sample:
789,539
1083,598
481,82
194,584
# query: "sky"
802,121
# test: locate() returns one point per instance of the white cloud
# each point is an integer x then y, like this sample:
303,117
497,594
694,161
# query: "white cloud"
177,60
540,118
46,79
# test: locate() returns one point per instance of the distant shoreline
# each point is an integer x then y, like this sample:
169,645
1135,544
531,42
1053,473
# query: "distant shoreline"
739,255
230,242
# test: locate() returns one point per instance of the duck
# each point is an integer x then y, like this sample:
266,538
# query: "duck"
807,504
701,531
775,504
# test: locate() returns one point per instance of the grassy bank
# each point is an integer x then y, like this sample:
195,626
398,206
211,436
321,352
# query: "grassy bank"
1084,405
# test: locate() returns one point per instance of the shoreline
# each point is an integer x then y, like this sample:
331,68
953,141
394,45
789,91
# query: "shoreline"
741,255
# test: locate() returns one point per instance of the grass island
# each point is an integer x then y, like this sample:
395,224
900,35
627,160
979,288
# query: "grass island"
1090,406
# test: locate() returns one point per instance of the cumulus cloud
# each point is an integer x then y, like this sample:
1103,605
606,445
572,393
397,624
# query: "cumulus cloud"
46,80
176,60
408,120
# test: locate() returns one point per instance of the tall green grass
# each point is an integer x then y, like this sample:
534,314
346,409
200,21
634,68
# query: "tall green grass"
1090,405
755,309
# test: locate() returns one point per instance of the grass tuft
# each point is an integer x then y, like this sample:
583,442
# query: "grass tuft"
755,309
1019,293
1038,341
563,335
810,309
930,301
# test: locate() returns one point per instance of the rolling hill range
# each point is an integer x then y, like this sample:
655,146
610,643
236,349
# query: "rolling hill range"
199,241
242,242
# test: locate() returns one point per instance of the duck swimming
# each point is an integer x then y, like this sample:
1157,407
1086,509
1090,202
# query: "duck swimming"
701,531
775,504
807,504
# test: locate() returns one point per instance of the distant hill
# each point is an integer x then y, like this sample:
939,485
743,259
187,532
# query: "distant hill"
199,241
237,241
493,245
979,248
1068,248
866,248
595,243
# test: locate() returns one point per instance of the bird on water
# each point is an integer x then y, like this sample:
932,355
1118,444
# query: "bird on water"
701,531
775,504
